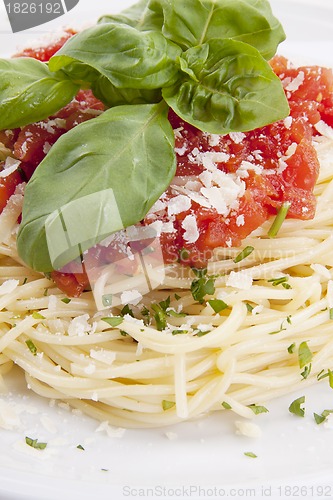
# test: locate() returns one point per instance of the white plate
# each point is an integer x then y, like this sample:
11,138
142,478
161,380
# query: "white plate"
201,459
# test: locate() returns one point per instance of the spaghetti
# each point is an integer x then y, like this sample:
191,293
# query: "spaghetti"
132,375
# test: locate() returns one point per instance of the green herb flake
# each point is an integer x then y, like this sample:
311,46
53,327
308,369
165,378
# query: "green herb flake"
113,321
80,447
257,409
127,310
330,378
331,313
279,220
226,405
35,444
243,254
250,454
291,348
177,297
306,372
322,417
279,281
175,314
179,332
66,300
167,405
202,287
32,347
304,354
296,407
37,315
217,305
249,307
319,418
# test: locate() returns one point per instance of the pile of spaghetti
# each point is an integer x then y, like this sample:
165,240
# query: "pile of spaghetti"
252,322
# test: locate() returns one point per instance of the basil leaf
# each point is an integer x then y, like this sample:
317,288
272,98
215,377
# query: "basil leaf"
227,86
101,176
194,22
127,57
29,92
111,96
144,15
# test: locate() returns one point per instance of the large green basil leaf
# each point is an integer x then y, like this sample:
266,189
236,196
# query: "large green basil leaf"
144,15
29,92
100,177
193,22
127,57
111,96
227,86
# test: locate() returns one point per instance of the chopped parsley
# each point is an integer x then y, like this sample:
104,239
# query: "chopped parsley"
35,444
226,405
250,454
162,311
32,347
322,417
257,409
243,254
202,286
217,305
291,348
280,281
113,321
179,332
166,405
296,407
127,310
66,300
37,315
304,354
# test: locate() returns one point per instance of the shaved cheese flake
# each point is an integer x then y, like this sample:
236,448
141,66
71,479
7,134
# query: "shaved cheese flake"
189,224
248,429
237,137
131,297
324,129
178,204
296,82
241,280
79,326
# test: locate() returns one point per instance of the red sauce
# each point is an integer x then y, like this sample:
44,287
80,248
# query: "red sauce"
277,163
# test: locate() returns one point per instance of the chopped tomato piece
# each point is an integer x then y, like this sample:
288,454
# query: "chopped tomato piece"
44,53
7,187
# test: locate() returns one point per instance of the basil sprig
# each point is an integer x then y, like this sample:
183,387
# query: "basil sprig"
206,59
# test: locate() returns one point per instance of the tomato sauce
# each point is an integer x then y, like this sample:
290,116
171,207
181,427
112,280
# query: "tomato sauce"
265,167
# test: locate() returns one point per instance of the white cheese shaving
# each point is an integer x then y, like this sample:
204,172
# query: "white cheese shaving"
237,137
79,326
189,224
178,204
131,297
248,429
112,432
296,82
241,280
11,164
324,129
